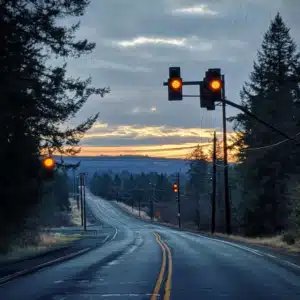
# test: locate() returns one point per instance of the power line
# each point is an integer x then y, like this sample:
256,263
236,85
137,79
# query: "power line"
269,146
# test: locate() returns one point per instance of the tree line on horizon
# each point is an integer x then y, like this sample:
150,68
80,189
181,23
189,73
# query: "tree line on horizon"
141,190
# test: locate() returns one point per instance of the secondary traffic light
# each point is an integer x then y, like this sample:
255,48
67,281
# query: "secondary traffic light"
48,165
175,84
211,89
175,188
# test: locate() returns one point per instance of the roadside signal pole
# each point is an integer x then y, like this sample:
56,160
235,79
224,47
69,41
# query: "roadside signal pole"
176,189
82,199
225,164
213,196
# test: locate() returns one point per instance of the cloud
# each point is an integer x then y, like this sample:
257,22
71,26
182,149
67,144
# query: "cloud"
202,9
122,135
137,41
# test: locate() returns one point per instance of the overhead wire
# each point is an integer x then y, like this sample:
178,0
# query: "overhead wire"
269,146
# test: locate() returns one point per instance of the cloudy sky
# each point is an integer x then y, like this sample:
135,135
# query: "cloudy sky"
138,40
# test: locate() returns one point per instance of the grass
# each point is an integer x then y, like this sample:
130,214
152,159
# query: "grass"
47,240
274,241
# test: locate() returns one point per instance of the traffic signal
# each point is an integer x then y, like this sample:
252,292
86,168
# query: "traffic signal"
211,89
48,165
175,188
175,84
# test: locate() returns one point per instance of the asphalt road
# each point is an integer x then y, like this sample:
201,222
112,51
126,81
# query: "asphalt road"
145,261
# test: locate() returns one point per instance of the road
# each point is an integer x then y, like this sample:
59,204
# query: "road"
145,261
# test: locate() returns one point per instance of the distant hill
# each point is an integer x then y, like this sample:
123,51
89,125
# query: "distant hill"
132,164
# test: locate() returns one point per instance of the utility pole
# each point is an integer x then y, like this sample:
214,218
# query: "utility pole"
178,200
225,161
139,206
82,200
84,204
213,195
74,188
81,196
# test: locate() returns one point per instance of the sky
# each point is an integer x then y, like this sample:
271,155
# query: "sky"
136,43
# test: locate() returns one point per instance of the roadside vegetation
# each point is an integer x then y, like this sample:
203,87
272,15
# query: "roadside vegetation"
37,99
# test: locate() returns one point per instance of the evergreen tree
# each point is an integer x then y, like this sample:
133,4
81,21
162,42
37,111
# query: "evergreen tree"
271,94
198,185
37,98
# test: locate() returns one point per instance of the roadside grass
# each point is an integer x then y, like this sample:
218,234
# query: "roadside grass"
273,242
276,242
47,240
134,211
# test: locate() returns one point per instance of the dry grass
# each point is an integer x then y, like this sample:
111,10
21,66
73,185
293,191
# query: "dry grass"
75,213
134,211
47,241
274,242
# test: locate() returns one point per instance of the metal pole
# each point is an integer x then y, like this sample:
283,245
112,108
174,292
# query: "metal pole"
213,196
84,204
75,190
139,206
225,160
178,200
81,198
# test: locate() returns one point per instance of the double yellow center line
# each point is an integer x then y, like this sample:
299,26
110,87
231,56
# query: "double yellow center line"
165,252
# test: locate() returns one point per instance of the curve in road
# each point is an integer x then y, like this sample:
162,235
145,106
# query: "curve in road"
141,260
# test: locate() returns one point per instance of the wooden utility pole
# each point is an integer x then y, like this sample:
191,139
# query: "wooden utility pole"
178,200
213,195
82,199
225,160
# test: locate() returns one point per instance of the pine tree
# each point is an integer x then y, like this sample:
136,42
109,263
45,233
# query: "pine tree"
37,98
271,94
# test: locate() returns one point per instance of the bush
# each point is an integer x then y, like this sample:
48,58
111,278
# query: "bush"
289,238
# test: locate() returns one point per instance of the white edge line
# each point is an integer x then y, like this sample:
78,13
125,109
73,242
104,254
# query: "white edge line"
24,271
249,249
257,252
291,264
116,229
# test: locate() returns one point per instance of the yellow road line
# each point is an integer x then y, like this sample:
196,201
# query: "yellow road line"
170,270
164,247
162,269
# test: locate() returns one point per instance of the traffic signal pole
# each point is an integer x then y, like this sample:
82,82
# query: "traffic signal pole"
213,195
84,205
178,201
81,198
225,162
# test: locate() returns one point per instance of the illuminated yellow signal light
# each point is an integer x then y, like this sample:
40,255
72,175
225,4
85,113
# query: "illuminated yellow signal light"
49,163
175,188
176,84
215,85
